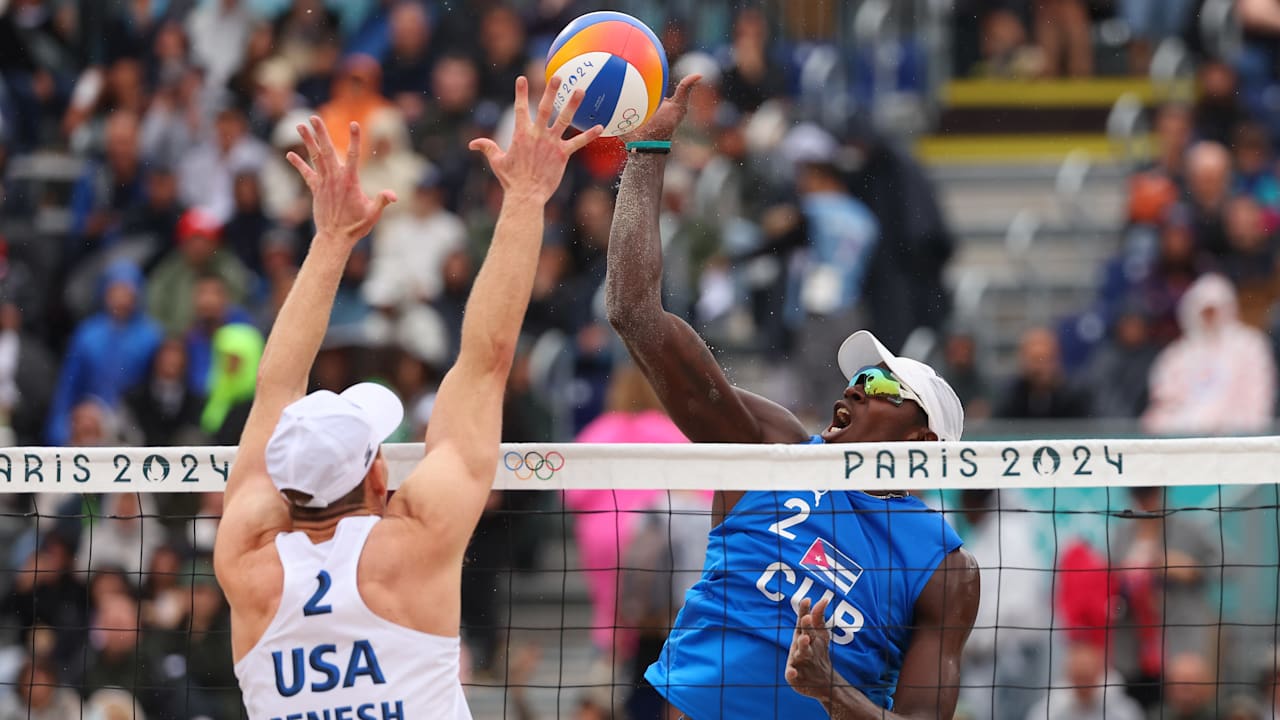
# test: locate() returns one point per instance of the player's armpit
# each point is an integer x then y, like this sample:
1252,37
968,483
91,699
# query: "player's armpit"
929,683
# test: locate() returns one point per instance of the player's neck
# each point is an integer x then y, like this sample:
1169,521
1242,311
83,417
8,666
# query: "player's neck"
320,530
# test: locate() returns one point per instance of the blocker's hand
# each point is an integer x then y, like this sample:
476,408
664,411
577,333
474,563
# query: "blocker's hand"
668,116
809,669
341,209
534,163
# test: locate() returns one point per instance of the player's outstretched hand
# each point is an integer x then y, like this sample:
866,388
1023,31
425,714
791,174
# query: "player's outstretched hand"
341,209
809,669
669,114
534,163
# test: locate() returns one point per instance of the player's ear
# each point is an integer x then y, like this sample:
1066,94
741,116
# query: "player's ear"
378,477
922,434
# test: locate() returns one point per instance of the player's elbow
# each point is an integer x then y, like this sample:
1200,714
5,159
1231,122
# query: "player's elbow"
488,356
628,314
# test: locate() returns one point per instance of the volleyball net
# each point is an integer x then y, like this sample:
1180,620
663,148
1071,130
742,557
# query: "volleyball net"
1131,573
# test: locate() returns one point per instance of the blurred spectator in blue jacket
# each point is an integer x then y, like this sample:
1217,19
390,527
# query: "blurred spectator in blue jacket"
109,352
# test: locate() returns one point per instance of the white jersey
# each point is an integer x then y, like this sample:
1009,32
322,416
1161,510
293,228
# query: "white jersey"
327,655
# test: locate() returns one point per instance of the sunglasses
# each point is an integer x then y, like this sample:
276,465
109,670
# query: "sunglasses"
877,382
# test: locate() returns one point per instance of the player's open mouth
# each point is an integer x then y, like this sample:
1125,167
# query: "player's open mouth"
841,419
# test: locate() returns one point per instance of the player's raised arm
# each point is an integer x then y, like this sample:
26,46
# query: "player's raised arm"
453,481
343,214
679,365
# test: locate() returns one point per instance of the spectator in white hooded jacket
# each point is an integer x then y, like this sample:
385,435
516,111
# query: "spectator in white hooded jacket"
1220,376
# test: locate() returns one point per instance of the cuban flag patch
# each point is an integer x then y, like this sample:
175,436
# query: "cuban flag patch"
831,567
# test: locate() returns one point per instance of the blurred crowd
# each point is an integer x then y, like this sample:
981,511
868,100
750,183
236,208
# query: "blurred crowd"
1184,334
150,229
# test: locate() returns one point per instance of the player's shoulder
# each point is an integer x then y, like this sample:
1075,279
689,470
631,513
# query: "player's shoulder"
399,545
953,590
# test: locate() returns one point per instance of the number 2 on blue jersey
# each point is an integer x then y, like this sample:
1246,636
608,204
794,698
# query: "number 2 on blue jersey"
313,606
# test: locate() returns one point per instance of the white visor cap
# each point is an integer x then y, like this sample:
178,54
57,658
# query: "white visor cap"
946,415
325,443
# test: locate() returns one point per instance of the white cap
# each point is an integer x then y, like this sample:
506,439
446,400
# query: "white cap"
946,415
324,443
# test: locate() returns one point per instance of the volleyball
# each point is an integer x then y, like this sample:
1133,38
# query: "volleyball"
620,64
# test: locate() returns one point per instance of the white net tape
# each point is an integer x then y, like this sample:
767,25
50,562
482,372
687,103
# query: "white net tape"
870,466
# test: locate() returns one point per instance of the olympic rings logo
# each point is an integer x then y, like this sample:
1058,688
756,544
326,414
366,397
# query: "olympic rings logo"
630,118
533,464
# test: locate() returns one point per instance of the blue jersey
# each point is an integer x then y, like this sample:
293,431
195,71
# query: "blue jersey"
872,556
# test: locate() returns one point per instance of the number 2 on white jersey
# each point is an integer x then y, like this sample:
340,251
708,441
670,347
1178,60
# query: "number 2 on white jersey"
313,606
802,513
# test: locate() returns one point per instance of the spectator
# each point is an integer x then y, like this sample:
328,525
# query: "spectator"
237,350
393,165
1004,669
242,87
213,310
93,424
904,283
1173,130
280,268
199,643
165,410
1190,689
171,296
110,189
302,28
152,224
219,32
1252,262
177,118
1088,695
164,600
448,123
1151,21
1229,365
1255,171
1257,63
1116,376
1159,562
1217,109
1040,389
109,352
751,77
206,176
131,30
39,696
605,520
502,48
357,96
410,249
113,704
960,363
275,97
284,195
1209,187
47,592
125,534
406,68
991,38
1063,32
249,223
119,657
825,297
27,376
36,81
1160,285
